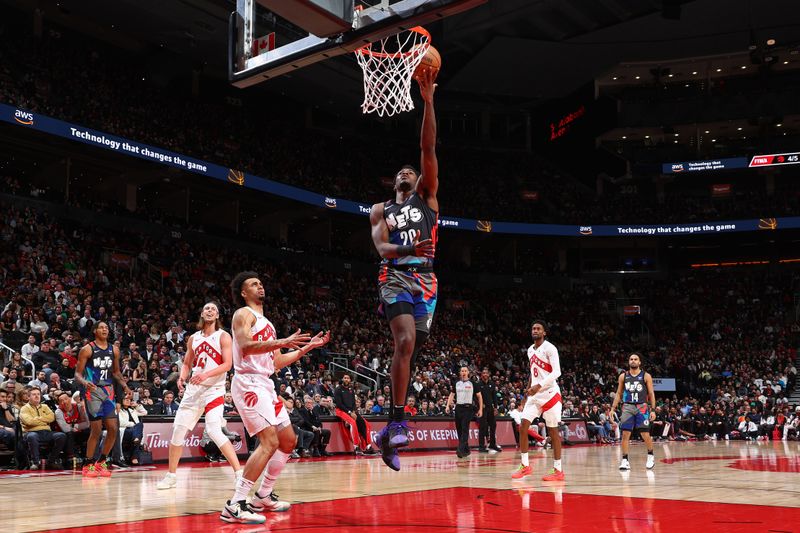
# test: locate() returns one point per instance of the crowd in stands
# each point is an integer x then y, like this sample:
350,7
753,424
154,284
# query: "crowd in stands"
78,80
729,339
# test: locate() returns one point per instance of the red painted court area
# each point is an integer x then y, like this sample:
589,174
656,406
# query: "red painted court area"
490,510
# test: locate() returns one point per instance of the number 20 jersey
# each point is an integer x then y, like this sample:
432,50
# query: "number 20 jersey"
408,220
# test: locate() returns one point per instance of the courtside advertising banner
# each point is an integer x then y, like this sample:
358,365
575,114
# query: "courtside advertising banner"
423,434
158,434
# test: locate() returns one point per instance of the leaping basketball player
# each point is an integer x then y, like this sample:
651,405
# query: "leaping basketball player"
256,356
544,400
635,387
404,231
97,369
208,358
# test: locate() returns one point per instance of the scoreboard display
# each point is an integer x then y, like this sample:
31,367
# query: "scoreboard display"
771,160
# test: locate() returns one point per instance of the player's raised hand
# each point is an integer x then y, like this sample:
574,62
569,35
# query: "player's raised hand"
320,339
426,83
296,340
424,248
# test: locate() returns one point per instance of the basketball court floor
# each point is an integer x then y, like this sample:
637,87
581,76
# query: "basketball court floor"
705,486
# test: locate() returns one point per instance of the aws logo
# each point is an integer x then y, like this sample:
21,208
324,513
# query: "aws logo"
23,117
484,226
585,230
768,223
330,202
236,177
678,167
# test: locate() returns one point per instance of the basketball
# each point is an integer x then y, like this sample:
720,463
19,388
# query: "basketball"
431,60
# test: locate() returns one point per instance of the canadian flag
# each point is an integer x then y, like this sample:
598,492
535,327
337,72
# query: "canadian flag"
263,44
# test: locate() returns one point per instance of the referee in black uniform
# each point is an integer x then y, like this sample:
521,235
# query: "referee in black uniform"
464,394
487,422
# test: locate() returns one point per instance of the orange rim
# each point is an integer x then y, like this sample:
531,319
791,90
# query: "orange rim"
367,49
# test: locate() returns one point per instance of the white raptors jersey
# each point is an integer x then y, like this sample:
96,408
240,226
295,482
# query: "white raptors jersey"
262,363
545,368
208,356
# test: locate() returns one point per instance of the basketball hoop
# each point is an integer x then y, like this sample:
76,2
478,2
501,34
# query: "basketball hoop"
388,66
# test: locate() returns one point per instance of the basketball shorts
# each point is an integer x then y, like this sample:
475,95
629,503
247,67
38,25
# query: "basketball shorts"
635,416
418,289
257,403
199,400
547,407
100,403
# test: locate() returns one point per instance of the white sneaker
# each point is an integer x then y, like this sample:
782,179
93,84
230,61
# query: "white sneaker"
270,503
240,513
624,465
170,481
651,461
492,451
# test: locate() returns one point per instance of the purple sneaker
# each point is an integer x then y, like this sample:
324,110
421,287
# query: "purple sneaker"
394,432
398,434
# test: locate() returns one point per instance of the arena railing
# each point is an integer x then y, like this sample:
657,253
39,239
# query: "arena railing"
355,374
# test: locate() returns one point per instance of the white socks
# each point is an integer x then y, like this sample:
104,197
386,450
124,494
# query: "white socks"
524,458
557,464
273,470
243,487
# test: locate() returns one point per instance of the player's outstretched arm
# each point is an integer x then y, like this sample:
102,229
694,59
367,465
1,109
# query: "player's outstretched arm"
285,359
380,238
428,184
242,322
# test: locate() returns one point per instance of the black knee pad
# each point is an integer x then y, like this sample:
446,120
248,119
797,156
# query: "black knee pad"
397,309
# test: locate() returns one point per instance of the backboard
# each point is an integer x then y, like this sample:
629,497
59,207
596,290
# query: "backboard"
345,25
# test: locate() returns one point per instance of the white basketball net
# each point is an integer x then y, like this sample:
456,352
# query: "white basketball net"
388,67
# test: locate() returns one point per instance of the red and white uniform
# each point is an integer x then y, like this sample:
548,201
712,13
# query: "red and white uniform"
545,370
207,397
252,389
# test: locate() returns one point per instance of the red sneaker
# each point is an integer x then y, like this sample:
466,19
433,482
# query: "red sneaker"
521,472
89,471
102,469
554,475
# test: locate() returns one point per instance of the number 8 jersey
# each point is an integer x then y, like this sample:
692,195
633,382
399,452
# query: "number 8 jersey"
545,370
409,221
